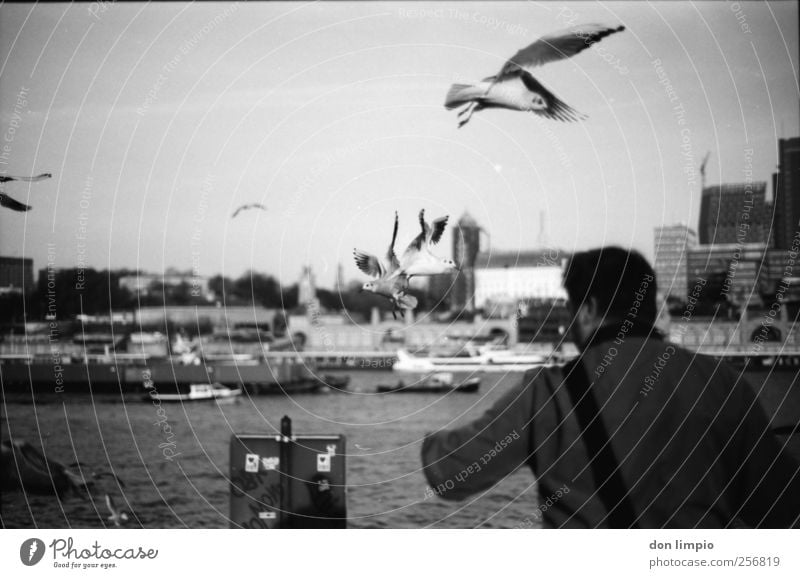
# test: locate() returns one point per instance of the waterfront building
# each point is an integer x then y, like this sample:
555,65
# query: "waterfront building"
745,268
786,187
16,274
145,284
672,244
503,278
735,213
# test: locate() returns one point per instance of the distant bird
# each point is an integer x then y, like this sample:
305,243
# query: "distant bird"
247,208
41,177
14,205
515,88
387,283
117,516
418,258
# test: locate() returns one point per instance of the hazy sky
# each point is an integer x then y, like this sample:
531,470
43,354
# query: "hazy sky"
157,121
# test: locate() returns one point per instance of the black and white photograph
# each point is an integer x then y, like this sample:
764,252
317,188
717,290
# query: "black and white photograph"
354,265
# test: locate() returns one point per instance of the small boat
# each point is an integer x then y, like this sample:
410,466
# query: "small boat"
197,392
329,382
436,383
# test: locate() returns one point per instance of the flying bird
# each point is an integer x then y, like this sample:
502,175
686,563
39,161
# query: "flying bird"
515,88
117,516
247,208
418,258
387,283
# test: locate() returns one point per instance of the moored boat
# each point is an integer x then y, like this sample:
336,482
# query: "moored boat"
436,383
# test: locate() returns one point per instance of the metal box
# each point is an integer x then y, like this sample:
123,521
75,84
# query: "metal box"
280,481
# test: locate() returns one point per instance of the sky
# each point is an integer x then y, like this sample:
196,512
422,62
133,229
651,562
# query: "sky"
158,121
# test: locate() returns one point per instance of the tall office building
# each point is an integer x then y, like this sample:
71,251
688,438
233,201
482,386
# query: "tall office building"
466,246
735,213
672,244
786,187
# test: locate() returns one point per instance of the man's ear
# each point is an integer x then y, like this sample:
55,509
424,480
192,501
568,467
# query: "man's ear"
586,310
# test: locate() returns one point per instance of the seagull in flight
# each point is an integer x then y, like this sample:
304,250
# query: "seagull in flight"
387,283
13,204
117,516
515,88
418,258
247,208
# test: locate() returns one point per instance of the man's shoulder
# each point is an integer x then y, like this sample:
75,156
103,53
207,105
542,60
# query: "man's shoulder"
548,373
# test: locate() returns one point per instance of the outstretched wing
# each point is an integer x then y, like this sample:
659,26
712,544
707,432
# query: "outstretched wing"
248,207
557,46
416,245
556,109
437,229
391,257
369,264
10,203
41,177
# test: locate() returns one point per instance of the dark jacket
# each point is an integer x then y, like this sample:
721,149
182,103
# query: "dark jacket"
694,445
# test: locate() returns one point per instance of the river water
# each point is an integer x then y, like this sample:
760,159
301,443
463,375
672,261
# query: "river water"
386,488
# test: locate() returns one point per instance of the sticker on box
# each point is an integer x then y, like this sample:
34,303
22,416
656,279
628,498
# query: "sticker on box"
331,449
323,463
270,463
267,515
251,463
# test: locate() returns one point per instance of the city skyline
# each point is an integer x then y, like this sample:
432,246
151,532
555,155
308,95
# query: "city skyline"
157,122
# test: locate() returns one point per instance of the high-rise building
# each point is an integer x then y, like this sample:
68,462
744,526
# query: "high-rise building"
466,246
735,213
786,187
672,244
16,274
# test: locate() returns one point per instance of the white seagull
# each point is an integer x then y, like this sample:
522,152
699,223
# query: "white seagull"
387,283
515,88
117,516
418,258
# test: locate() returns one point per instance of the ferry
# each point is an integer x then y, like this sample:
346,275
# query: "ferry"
469,359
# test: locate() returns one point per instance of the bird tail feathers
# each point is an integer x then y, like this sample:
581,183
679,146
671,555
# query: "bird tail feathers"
462,94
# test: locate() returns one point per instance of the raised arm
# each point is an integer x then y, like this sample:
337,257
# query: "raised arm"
463,461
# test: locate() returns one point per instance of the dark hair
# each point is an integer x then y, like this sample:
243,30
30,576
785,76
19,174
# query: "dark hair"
622,282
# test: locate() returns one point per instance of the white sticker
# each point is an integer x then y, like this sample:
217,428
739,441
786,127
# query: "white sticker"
331,449
323,463
270,463
267,515
251,463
